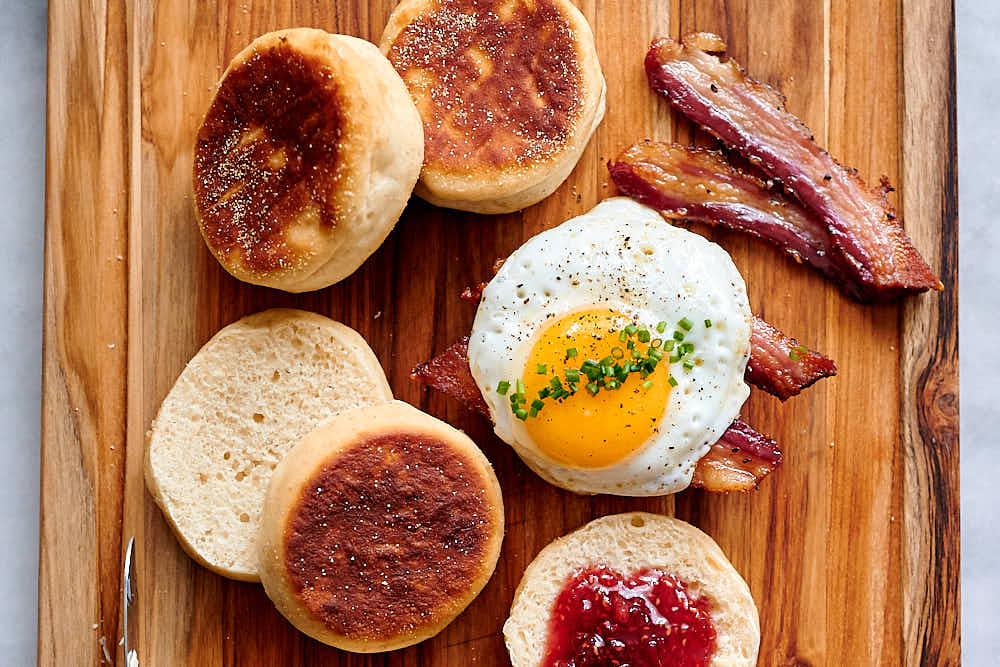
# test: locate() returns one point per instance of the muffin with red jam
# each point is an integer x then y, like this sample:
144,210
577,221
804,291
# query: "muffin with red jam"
633,589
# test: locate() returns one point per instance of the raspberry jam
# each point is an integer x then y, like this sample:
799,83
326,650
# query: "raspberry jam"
649,619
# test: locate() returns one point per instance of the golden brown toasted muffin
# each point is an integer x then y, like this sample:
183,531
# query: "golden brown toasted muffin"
379,528
305,159
510,92
694,603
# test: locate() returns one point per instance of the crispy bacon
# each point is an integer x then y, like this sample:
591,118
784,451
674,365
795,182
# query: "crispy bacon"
450,374
738,462
780,366
872,248
699,184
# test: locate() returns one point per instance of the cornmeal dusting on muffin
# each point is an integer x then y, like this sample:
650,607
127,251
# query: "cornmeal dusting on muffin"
267,158
387,535
497,82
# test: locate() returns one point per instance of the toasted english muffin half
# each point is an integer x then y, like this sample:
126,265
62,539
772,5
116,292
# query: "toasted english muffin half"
305,159
246,397
509,91
379,528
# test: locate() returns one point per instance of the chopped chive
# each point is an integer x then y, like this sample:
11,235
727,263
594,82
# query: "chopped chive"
708,324
674,358
656,342
612,384
533,412
593,388
608,361
687,348
544,392
636,355
672,380
571,352
631,345
617,352
572,387
661,327
688,364
555,383
503,387
797,352
668,345
643,335
685,324
655,354
631,329
572,375
607,370
647,384
521,414
537,405
542,369
520,387
678,336
622,336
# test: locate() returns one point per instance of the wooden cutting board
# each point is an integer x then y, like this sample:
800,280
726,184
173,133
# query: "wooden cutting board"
851,548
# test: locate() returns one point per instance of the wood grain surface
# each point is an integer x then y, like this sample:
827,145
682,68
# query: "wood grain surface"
850,549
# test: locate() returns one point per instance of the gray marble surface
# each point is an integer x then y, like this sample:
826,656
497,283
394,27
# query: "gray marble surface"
979,313
22,137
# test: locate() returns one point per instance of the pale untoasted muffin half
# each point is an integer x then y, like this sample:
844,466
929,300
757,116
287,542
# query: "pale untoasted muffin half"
379,528
246,397
509,91
305,159
628,543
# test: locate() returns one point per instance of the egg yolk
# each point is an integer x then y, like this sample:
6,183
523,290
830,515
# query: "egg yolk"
586,430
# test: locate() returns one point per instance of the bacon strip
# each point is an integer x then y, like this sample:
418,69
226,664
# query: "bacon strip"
450,374
872,248
780,366
699,184
738,462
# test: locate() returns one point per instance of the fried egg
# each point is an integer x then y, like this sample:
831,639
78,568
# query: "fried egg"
606,288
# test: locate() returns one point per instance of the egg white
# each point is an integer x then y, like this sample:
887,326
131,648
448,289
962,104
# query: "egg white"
621,255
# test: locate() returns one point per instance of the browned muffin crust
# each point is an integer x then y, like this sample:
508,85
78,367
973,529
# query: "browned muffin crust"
266,153
498,83
387,535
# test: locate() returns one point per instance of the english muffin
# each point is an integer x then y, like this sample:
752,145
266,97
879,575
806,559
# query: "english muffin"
239,405
510,92
379,528
305,159
638,589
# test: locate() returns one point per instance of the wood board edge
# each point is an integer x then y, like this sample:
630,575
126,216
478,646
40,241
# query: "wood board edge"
929,340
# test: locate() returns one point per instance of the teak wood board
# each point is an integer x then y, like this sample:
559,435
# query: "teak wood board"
850,549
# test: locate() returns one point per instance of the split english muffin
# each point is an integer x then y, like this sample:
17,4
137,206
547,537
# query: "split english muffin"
509,92
246,397
379,528
633,588
305,159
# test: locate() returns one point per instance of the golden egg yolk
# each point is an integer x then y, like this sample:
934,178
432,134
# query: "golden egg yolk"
586,430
